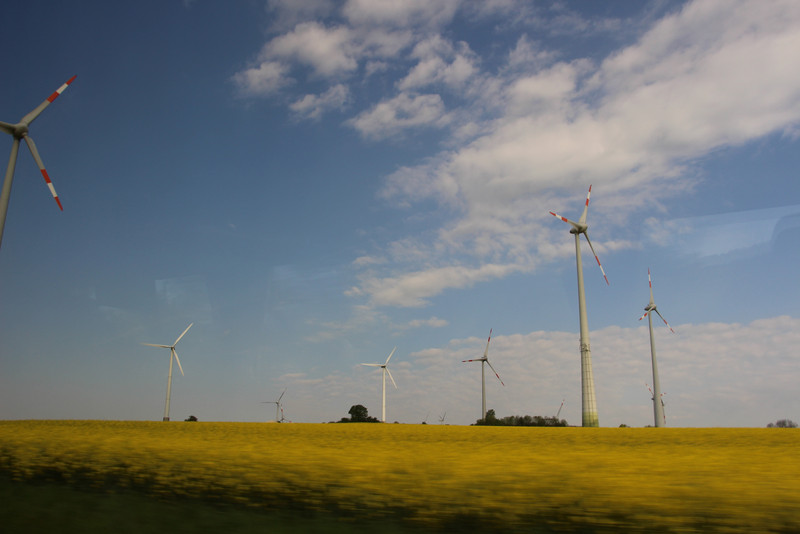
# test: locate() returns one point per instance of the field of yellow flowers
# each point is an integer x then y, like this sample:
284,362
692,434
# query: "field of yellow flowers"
431,476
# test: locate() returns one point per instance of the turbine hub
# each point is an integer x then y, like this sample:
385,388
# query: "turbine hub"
579,229
20,130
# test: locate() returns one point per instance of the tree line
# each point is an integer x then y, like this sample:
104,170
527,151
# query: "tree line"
520,420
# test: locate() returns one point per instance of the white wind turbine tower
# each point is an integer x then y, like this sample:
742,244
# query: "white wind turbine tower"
588,401
658,402
20,131
278,408
485,360
173,355
385,369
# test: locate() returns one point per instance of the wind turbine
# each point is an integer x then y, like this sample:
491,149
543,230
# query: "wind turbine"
559,408
278,408
20,131
588,401
658,405
483,361
442,418
384,370
173,355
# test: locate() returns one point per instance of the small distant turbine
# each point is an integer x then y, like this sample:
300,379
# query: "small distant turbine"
173,355
19,131
658,407
278,408
385,370
559,408
485,360
588,400
442,418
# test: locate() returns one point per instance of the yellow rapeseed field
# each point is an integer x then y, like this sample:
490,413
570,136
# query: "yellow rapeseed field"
681,480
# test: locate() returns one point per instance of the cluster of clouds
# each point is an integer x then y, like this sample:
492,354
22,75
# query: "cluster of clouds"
526,130
713,374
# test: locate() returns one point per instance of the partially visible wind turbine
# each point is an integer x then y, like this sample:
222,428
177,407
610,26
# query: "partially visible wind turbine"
442,418
278,408
384,369
660,398
559,408
20,131
485,360
173,355
589,403
658,403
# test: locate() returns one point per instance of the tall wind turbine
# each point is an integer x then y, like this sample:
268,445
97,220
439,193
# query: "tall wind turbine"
20,131
173,355
278,408
483,361
385,369
658,402
589,403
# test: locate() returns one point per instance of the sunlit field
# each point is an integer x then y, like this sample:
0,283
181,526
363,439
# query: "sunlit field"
432,477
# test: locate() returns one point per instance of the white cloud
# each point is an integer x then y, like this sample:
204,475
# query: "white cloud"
439,62
401,112
412,289
263,80
313,106
432,322
329,51
714,74
402,13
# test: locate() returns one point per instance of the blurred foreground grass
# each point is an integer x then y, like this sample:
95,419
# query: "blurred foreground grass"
429,476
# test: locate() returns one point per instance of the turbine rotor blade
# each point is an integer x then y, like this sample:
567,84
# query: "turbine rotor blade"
495,373
573,223
390,355
650,283
388,372
40,164
595,254
665,321
7,128
373,364
486,352
153,345
643,316
29,118
180,336
177,359
582,220
279,398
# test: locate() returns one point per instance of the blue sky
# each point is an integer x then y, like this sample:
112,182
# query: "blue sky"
313,183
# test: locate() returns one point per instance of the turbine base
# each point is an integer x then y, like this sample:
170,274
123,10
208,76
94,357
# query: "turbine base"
591,420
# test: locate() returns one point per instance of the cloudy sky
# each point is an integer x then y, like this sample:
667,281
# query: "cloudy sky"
312,183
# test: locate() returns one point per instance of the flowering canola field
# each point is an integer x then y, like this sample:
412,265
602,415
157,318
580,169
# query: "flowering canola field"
669,480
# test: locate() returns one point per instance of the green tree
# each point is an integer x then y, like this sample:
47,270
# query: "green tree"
783,423
358,414
191,418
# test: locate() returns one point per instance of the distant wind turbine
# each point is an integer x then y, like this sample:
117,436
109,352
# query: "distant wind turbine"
485,360
173,355
278,408
442,418
658,402
588,401
20,131
385,370
559,408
